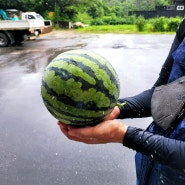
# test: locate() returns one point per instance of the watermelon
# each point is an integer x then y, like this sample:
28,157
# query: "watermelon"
80,87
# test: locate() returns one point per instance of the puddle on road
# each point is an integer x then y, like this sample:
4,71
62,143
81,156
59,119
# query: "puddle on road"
32,59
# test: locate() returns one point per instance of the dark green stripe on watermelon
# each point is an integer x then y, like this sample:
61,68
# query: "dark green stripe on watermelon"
90,105
71,114
69,118
85,85
104,65
95,70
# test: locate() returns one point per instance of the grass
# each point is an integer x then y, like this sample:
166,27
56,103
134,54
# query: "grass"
109,29
119,29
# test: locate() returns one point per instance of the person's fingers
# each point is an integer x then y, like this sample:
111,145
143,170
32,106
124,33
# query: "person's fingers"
62,125
81,132
66,130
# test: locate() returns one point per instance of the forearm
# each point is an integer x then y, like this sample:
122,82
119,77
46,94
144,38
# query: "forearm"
136,106
166,151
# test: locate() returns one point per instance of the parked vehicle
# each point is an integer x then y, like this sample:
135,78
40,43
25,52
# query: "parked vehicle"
15,28
42,26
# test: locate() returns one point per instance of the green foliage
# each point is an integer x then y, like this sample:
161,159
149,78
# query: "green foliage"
140,23
163,24
56,16
130,19
114,20
95,11
69,9
163,2
169,24
98,12
108,20
128,6
173,24
109,29
159,24
97,22
84,18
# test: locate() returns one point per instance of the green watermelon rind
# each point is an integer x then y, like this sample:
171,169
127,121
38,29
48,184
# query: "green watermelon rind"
66,96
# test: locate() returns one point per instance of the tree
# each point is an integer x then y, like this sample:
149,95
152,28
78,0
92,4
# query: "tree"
163,2
70,9
96,10
130,5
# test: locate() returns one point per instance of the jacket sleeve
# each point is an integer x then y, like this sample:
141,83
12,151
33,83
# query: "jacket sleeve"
167,151
139,105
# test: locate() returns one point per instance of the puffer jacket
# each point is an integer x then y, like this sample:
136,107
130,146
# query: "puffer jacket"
160,158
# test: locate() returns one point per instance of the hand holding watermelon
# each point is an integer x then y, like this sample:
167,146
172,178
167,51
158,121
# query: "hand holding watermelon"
108,131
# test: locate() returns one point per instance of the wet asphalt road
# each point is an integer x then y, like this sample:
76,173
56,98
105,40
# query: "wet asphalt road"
32,149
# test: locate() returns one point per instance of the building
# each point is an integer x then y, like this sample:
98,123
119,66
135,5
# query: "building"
177,8
179,4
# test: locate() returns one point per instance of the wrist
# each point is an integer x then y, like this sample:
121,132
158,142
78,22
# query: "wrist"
119,133
123,130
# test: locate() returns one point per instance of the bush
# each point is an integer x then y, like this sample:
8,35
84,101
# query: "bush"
97,22
107,20
173,24
129,19
159,24
84,17
140,23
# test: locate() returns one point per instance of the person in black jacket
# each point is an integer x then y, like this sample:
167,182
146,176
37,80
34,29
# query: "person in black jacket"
160,157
